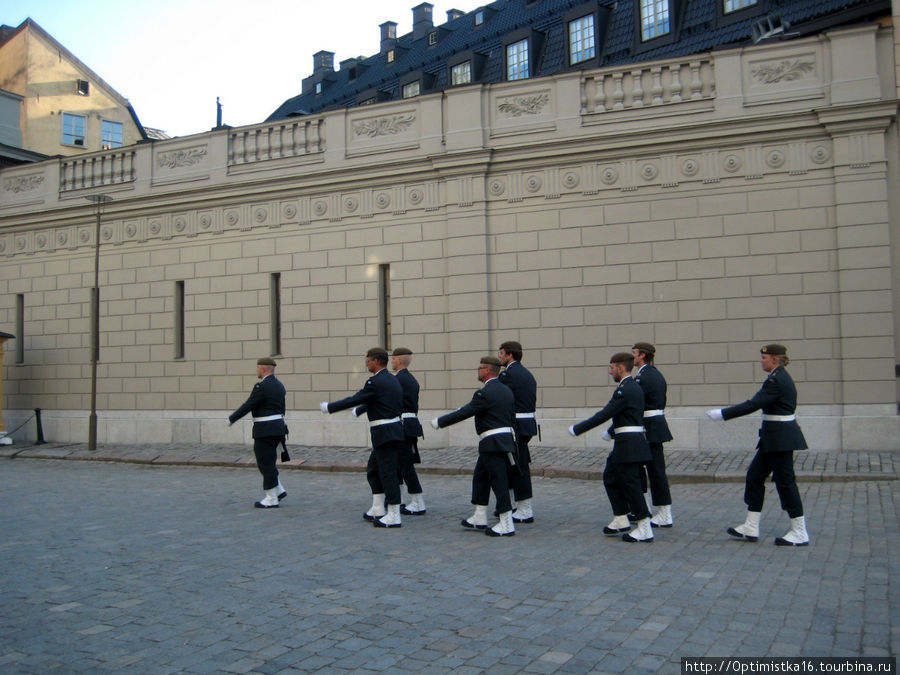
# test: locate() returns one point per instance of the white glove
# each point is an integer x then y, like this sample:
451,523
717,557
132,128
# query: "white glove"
323,406
434,423
715,414
353,412
572,431
605,436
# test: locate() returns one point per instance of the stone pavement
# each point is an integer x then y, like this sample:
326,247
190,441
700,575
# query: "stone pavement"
140,565
683,466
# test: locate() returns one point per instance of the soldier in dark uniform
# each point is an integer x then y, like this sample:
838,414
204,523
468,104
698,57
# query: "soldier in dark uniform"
493,407
412,431
382,397
524,388
266,403
657,430
622,475
779,436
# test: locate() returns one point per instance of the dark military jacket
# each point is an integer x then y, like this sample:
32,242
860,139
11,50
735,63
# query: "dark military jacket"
653,385
382,397
266,399
778,396
524,388
493,407
625,409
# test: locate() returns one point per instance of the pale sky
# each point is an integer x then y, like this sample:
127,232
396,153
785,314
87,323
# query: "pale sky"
172,58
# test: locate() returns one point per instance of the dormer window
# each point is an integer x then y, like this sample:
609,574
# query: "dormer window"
582,43
479,17
412,89
389,57
461,73
734,5
432,38
654,19
517,67
319,87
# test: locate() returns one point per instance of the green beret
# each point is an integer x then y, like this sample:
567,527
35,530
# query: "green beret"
645,347
401,351
774,350
622,357
491,361
376,352
266,361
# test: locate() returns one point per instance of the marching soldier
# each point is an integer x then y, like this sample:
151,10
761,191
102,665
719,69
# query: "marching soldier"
266,403
656,428
622,475
493,407
382,397
779,436
524,388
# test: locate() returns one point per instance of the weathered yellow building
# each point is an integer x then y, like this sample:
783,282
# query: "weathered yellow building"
67,109
708,204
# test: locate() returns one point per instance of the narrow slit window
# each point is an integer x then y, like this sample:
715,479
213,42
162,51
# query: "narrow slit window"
20,328
275,313
179,319
384,305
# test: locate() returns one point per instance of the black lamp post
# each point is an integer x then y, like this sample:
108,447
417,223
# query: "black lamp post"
99,200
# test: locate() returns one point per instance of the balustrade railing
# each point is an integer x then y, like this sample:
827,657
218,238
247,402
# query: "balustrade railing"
87,172
285,138
647,86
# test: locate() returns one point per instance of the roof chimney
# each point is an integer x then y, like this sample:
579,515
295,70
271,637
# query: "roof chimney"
323,61
388,36
453,14
422,23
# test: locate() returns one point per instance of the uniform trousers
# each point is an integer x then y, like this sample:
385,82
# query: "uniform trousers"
382,470
622,481
521,483
266,451
408,473
656,473
781,466
491,473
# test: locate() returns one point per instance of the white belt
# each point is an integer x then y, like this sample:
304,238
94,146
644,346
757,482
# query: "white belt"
628,430
654,413
408,416
378,423
524,416
779,418
268,418
499,430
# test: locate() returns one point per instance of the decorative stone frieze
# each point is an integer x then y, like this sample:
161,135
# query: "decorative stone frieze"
23,183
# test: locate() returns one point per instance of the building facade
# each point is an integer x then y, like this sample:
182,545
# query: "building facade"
709,204
67,108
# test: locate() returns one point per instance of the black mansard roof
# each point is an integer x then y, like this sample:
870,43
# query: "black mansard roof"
427,53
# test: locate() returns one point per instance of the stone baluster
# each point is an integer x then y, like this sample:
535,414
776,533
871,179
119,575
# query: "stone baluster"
676,83
657,90
618,94
637,88
696,83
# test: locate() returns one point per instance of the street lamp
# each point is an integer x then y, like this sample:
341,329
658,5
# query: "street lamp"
99,200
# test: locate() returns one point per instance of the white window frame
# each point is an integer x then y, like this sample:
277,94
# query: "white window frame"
517,67
412,89
74,129
734,5
461,73
582,45
656,19
108,140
